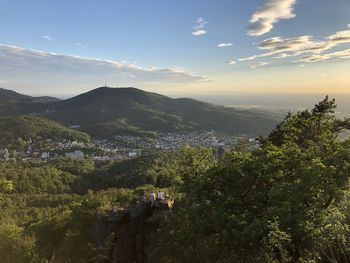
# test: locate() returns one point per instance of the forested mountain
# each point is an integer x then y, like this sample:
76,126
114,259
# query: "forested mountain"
104,112
13,103
12,96
33,127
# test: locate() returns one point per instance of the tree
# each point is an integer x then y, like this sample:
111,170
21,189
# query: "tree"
284,202
14,245
5,185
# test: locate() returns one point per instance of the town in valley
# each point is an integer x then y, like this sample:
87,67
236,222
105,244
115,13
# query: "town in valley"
121,147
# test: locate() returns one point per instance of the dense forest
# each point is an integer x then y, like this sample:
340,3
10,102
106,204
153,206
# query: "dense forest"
17,130
287,201
104,112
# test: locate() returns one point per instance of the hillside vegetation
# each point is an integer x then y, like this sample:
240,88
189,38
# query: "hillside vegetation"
26,127
105,112
12,96
13,103
288,201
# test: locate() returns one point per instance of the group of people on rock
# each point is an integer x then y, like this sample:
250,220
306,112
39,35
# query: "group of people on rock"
152,197
158,199
160,196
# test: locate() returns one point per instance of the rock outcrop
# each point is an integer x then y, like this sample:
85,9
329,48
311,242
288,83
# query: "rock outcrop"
131,231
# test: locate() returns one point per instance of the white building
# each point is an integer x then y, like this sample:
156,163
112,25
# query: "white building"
133,154
45,155
4,153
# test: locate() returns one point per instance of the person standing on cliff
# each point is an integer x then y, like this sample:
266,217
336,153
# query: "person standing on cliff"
152,197
159,196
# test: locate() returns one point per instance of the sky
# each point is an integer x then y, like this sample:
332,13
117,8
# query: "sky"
177,48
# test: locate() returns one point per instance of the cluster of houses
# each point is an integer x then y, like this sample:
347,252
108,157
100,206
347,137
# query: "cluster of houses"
121,148
100,150
44,150
170,141
194,139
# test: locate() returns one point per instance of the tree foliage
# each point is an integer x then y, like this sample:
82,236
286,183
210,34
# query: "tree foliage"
285,202
17,130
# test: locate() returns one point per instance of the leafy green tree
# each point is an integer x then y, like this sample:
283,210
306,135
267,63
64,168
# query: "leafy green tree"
5,185
284,202
14,245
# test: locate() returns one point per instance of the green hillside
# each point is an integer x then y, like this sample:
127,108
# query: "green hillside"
25,127
12,96
106,111
13,103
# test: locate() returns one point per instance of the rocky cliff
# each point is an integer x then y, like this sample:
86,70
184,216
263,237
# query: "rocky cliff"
128,232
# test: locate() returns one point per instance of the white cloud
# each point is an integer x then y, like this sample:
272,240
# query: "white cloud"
340,37
199,28
200,20
32,68
274,10
200,23
292,46
225,45
284,55
231,62
47,38
343,54
258,64
199,32
248,58
311,50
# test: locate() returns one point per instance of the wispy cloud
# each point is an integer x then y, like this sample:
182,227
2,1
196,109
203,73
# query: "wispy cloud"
340,37
47,38
343,54
33,68
258,65
265,17
200,23
199,28
311,50
225,45
231,62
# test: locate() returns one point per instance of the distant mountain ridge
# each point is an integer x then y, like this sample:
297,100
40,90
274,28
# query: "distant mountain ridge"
105,112
12,96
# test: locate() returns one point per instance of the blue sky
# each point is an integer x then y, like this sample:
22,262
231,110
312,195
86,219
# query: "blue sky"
171,47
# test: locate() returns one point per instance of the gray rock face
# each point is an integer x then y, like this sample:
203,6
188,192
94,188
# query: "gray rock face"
133,230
